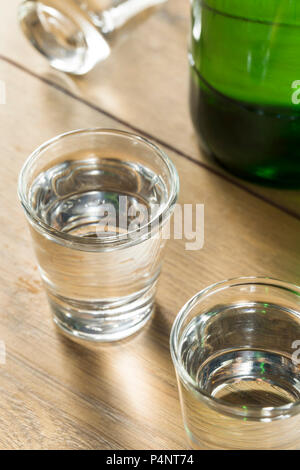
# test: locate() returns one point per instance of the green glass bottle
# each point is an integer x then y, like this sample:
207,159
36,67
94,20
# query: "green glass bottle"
245,86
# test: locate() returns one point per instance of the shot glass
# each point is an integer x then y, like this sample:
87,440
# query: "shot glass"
74,35
236,352
97,202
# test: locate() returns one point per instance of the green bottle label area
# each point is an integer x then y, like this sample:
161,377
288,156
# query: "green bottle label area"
253,60
245,86
274,11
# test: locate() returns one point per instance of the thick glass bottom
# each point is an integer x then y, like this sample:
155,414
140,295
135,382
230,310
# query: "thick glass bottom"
258,143
103,321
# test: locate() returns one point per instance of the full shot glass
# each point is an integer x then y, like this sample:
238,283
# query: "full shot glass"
97,202
236,352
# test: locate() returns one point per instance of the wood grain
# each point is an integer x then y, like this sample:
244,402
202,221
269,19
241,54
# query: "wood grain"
59,394
143,84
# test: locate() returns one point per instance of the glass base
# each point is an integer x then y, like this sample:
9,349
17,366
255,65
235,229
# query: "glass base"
102,322
63,35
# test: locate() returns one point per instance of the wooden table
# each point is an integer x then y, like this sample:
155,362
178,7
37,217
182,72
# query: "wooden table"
59,394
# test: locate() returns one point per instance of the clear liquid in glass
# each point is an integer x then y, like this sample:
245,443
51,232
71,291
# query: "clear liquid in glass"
107,291
262,374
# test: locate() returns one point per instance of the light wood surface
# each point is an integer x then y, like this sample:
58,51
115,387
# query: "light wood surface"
59,394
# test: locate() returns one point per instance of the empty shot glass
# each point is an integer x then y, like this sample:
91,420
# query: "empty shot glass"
74,35
97,202
236,352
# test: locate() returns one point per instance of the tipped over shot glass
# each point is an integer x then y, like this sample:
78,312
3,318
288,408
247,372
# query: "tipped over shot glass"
97,202
74,35
236,352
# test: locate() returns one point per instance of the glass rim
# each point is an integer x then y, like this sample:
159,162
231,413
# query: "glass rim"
111,241
252,411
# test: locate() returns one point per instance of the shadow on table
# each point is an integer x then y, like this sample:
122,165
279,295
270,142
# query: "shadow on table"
121,386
